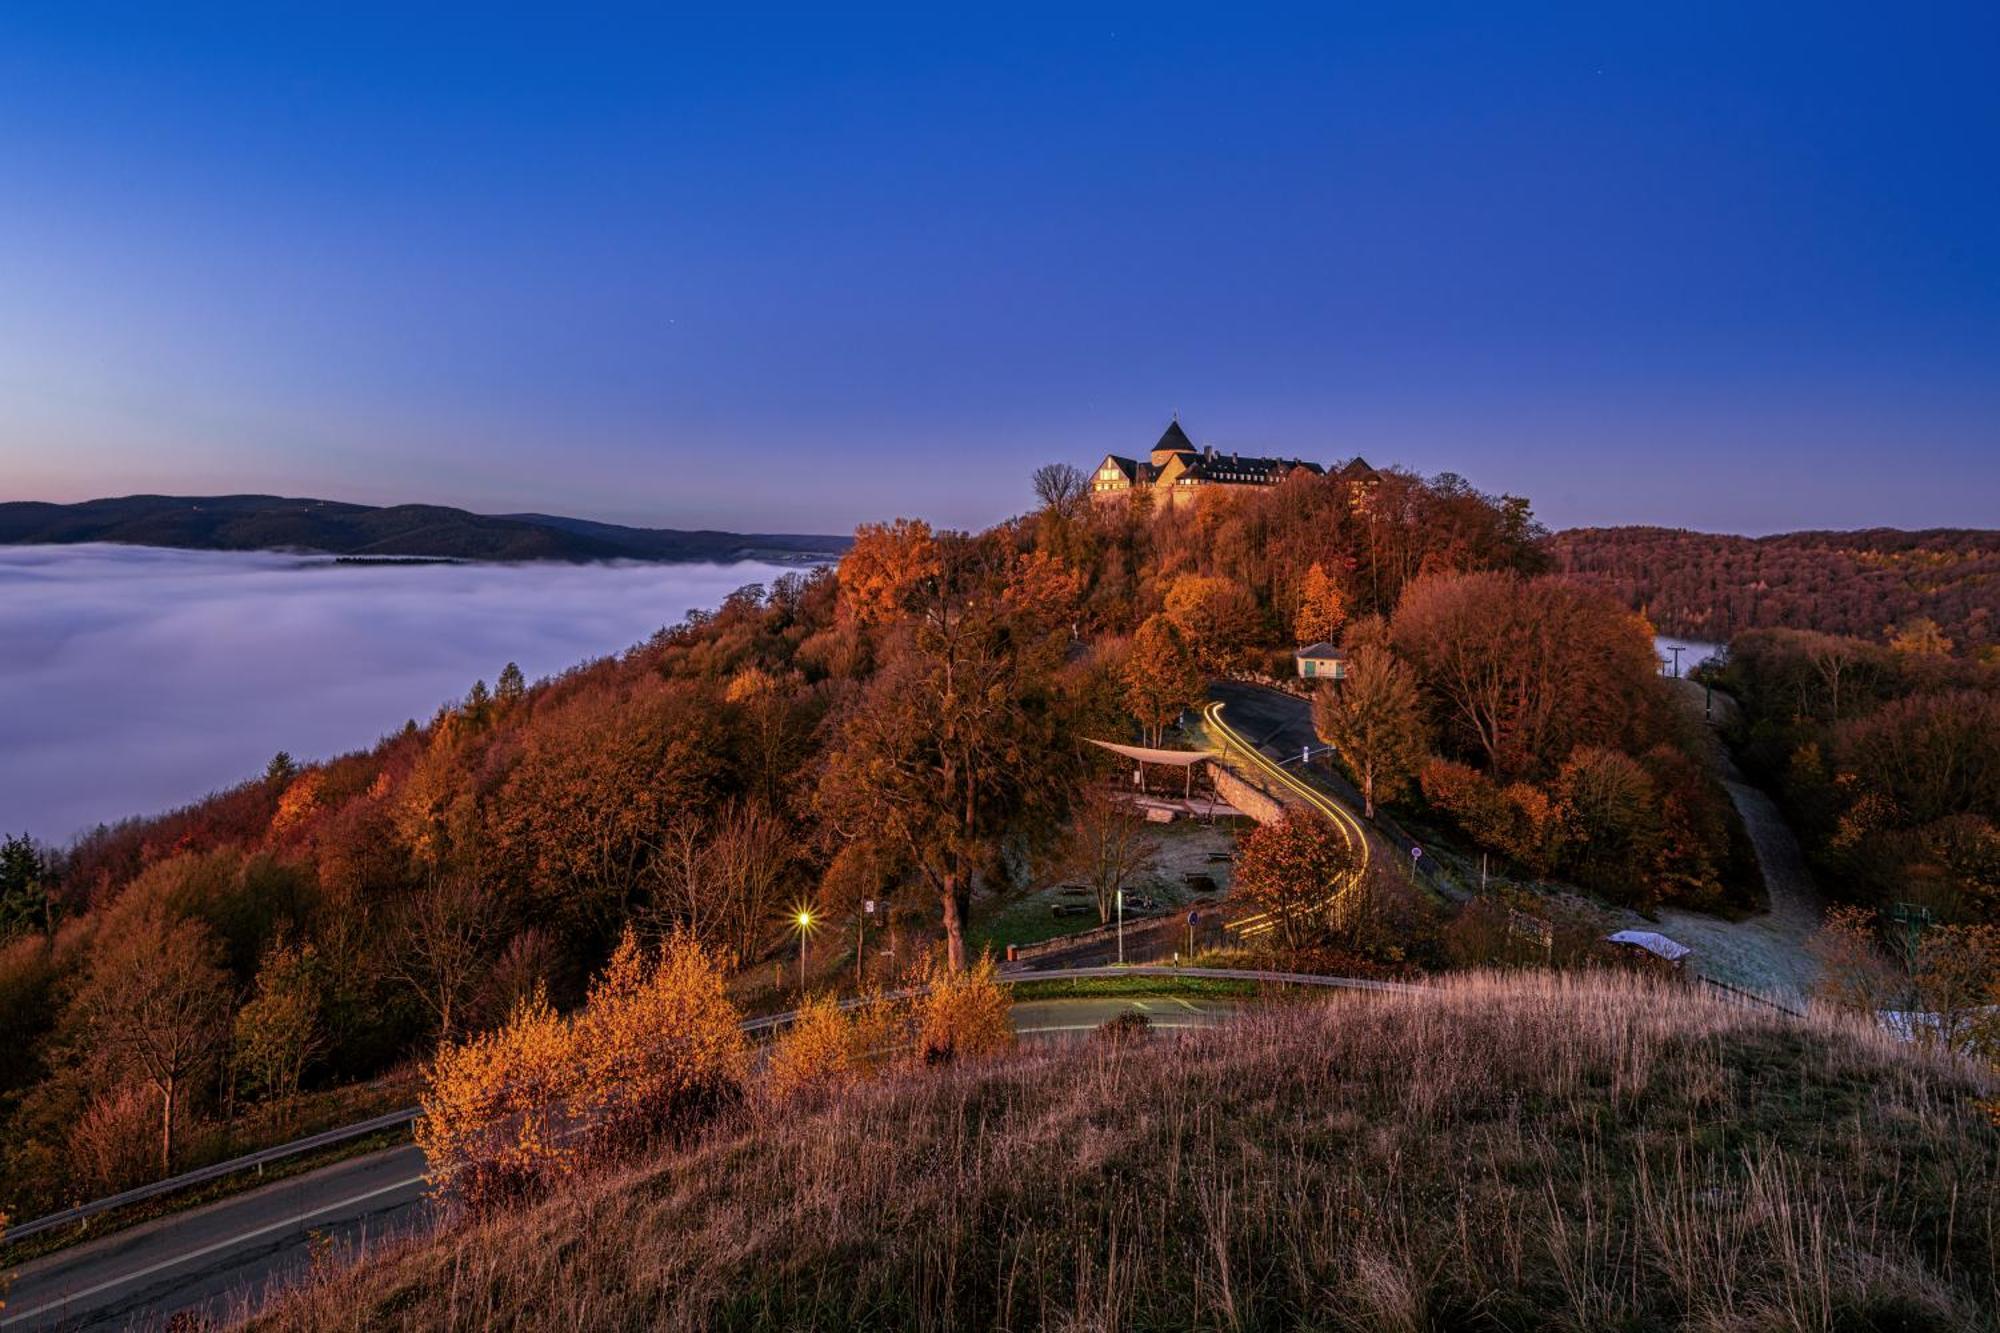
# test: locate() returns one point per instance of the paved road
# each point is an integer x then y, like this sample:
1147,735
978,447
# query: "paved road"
1280,724
224,1258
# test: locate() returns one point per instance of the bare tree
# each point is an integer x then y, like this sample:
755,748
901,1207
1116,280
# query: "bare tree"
155,1007
748,860
1106,847
447,935
1061,488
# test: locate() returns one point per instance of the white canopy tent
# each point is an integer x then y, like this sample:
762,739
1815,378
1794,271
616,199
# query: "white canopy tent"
1185,760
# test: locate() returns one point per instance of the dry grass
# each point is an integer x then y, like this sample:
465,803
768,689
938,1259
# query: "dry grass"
1509,1153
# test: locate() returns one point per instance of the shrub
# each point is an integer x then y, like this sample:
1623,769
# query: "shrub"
659,1046
828,1046
493,1123
964,1014
657,1050
1121,1029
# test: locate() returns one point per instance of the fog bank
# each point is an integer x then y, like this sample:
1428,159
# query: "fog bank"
134,679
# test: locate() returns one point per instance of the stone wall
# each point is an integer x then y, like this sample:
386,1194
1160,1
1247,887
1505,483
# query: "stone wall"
1252,801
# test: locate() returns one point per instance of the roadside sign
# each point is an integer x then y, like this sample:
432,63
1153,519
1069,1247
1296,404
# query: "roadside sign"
1193,917
868,906
1416,852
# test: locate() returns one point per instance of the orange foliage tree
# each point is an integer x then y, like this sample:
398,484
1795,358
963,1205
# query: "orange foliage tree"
1375,722
1323,606
1216,616
1296,869
657,1049
885,566
962,1013
1161,677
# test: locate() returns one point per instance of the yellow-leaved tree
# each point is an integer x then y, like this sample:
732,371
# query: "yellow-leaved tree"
658,1049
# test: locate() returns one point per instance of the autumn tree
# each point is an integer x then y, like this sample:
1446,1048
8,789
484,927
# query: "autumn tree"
1323,606
659,1046
957,742
600,780
962,1013
1296,870
154,1006
1161,677
1374,720
1522,671
1957,977
1854,971
1217,618
1612,821
279,1031
885,567
1920,636
1106,848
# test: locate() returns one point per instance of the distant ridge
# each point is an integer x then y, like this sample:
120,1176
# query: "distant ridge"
278,523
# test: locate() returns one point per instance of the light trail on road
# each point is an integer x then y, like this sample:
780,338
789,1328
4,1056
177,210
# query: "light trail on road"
1258,923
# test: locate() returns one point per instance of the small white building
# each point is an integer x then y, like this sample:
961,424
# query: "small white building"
1322,661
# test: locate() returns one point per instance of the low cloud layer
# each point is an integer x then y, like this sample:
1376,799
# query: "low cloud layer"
133,680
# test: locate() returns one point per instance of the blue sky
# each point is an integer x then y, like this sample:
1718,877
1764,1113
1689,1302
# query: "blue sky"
1730,266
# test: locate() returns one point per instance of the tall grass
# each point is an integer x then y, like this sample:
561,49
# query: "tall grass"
1505,1152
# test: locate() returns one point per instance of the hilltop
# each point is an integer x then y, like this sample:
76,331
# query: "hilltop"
1505,1152
270,522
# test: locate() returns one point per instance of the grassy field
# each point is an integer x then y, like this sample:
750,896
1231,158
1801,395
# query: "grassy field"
1508,1152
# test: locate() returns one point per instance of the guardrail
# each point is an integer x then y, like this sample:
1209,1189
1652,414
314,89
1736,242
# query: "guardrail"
1749,997
214,1171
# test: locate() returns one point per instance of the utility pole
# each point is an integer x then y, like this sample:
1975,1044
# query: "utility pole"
1121,927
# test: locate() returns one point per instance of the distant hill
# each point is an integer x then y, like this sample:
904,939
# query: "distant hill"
276,523
1709,586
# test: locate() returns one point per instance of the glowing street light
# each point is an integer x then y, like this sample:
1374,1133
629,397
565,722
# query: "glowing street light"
803,921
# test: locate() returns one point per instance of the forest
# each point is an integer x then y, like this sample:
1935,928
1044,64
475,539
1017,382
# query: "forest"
1887,759
1865,585
905,727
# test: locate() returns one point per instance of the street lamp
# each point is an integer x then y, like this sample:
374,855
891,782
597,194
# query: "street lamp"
1121,927
803,921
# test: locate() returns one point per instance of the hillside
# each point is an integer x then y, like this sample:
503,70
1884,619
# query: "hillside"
1709,586
269,522
1513,1152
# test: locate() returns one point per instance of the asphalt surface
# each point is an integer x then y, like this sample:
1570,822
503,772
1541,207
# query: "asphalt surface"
1280,725
225,1259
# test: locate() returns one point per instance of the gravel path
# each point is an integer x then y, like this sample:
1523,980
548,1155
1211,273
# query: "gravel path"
1765,952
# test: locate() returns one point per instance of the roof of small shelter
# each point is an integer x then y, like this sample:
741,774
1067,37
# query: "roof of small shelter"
1177,758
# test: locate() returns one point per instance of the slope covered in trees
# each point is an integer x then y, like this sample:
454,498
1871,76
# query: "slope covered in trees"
907,729
1888,761
1861,584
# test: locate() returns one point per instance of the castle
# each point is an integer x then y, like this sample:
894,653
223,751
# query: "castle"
1176,472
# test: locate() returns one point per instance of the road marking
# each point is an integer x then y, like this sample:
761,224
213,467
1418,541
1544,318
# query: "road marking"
1092,1027
208,1249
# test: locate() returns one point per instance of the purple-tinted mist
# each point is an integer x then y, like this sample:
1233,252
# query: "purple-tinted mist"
134,679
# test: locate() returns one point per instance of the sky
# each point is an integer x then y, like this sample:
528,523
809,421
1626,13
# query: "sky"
1730,266
137,679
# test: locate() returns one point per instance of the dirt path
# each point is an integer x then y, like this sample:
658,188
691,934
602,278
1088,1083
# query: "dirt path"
1765,952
